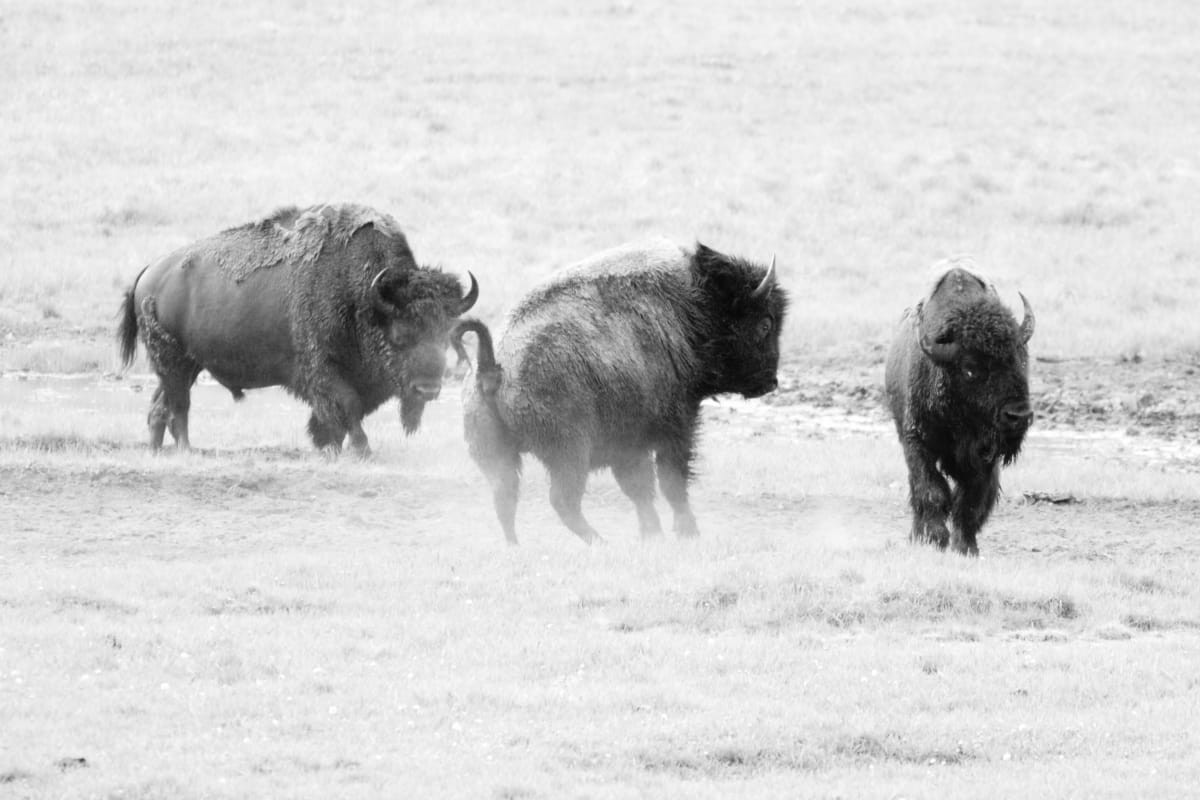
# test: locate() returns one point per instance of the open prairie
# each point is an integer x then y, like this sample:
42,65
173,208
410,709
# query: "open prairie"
256,620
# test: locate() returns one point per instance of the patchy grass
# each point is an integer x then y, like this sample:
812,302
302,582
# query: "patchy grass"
271,622
1063,160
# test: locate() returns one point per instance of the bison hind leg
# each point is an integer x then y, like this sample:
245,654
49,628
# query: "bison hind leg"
177,371
635,476
493,449
504,475
568,470
169,407
157,419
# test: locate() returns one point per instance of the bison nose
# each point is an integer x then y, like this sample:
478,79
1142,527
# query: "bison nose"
427,390
1016,414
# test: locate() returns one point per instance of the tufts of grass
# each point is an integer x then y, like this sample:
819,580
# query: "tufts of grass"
1149,622
254,602
101,605
802,754
131,214
70,443
15,775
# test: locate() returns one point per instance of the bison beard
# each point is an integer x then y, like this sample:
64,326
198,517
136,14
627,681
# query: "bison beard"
605,365
957,386
411,409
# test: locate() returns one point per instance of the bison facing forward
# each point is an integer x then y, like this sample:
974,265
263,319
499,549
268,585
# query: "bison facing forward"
327,302
958,388
605,365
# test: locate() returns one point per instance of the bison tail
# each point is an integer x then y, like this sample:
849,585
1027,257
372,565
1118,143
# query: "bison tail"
127,329
487,372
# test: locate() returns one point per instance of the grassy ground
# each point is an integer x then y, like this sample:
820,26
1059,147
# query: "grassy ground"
254,620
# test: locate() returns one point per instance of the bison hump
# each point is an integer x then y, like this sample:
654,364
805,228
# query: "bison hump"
291,235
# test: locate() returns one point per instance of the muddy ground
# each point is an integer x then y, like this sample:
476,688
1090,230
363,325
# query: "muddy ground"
1153,398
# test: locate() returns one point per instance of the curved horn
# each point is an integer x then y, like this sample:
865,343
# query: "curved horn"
1028,323
763,290
470,297
381,303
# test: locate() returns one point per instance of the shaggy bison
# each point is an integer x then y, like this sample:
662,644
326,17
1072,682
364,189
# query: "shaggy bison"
605,364
327,302
958,388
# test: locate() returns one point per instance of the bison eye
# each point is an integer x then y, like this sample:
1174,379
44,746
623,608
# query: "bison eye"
763,328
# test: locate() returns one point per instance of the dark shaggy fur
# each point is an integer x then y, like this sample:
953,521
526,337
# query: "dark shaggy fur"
958,389
290,301
605,365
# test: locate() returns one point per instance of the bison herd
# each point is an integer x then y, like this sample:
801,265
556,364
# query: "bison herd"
603,364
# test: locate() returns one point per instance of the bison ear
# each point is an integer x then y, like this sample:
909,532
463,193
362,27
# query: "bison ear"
384,289
941,349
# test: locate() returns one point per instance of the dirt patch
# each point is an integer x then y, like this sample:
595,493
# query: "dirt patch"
1139,397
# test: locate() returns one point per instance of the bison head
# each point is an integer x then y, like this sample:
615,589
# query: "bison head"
982,353
745,307
415,310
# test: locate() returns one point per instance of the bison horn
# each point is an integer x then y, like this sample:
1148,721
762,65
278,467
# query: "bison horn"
763,290
381,303
1027,324
470,297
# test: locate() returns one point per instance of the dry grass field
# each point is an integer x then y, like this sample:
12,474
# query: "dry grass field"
254,620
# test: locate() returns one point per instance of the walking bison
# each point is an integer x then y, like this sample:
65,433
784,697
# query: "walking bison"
958,388
606,363
326,301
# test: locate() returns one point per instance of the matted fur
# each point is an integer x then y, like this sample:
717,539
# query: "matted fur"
291,235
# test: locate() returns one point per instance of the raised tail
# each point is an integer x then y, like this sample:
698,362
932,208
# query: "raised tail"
487,371
127,327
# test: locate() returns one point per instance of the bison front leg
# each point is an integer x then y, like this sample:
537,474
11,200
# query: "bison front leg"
972,505
336,412
635,476
674,469
325,436
929,495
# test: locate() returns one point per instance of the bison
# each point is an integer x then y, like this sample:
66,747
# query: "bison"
606,363
326,301
958,388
